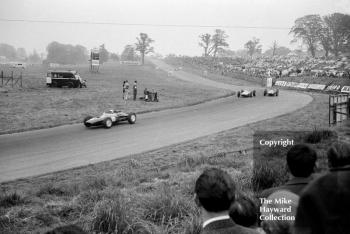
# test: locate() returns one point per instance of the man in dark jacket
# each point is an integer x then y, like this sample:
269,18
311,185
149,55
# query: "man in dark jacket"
215,192
324,205
301,161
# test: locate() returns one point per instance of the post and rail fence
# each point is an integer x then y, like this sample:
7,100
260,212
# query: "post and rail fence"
339,108
11,80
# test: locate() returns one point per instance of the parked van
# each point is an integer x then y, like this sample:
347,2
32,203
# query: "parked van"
70,79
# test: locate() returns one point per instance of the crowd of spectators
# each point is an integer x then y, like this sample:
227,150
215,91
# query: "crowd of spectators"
277,66
305,204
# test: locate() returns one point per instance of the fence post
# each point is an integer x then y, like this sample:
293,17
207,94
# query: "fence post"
2,78
21,79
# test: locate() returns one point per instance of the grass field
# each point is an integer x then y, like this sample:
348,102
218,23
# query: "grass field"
36,106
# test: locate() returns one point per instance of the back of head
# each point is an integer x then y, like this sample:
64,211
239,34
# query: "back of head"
301,160
244,211
279,214
215,190
339,155
68,229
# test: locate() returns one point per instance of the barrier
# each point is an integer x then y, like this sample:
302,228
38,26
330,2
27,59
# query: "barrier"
345,89
333,88
302,85
339,108
316,86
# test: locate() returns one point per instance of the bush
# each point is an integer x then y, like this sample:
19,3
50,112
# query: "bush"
111,216
11,199
317,136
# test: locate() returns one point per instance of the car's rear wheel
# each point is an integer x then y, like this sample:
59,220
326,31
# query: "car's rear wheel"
265,92
132,118
108,123
277,92
70,85
238,94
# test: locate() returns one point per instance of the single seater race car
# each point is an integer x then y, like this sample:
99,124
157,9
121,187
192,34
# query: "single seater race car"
271,92
246,93
108,118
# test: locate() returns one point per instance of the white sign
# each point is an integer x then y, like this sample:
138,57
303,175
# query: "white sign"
316,86
302,85
345,89
333,87
280,83
269,82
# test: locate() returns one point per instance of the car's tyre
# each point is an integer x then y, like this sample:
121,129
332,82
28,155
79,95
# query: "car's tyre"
254,93
70,85
85,121
132,118
239,94
265,92
108,123
277,92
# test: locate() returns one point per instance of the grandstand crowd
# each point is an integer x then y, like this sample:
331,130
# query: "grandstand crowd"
277,66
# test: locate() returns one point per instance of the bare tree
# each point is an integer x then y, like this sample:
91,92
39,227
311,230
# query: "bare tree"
205,43
274,48
218,41
144,45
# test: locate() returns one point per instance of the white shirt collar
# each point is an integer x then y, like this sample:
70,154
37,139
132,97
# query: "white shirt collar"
222,217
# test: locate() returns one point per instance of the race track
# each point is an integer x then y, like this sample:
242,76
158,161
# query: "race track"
43,151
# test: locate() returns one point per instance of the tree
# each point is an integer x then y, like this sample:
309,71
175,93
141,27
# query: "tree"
8,51
205,43
66,54
279,51
338,32
104,54
143,45
218,41
128,53
34,57
253,46
114,56
308,29
274,48
21,54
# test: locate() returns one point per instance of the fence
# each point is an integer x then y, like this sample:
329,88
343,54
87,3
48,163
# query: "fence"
339,108
11,80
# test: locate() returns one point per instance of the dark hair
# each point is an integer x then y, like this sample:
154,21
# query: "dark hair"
68,229
301,160
339,155
244,211
215,190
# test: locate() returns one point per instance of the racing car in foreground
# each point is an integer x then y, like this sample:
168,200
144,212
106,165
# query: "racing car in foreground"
271,92
108,118
246,93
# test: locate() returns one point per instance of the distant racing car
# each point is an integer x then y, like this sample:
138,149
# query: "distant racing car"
108,118
246,93
271,92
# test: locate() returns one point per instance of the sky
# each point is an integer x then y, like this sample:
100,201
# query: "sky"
268,20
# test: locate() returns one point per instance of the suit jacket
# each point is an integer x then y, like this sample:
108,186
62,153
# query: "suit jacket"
324,205
295,185
227,226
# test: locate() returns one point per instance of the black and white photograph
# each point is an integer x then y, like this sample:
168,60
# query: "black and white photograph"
175,117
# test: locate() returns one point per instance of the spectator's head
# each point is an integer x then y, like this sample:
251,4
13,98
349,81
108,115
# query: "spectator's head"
245,211
278,217
68,229
215,190
339,155
301,160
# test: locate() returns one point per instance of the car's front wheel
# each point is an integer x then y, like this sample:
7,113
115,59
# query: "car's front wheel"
108,123
132,118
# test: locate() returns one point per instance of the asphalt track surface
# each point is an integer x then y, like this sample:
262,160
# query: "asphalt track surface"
43,151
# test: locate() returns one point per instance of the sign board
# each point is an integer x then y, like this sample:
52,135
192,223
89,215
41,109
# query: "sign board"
130,62
333,87
302,85
269,82
345,89
280,83
316,86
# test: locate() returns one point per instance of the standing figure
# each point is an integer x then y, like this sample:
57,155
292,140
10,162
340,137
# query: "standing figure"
123,89
134,88
126,87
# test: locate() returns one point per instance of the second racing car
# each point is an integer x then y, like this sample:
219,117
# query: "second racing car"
271,92
246,93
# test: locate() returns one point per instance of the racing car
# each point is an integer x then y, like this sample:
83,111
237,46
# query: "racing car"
246,93
271,92
108,118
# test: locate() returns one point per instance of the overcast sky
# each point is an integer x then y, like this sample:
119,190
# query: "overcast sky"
178,40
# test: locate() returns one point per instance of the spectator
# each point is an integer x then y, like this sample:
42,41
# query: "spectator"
68,229
146,93
126,87
215,192
245,212
324,206
123,89
301,162
278,214
134,88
